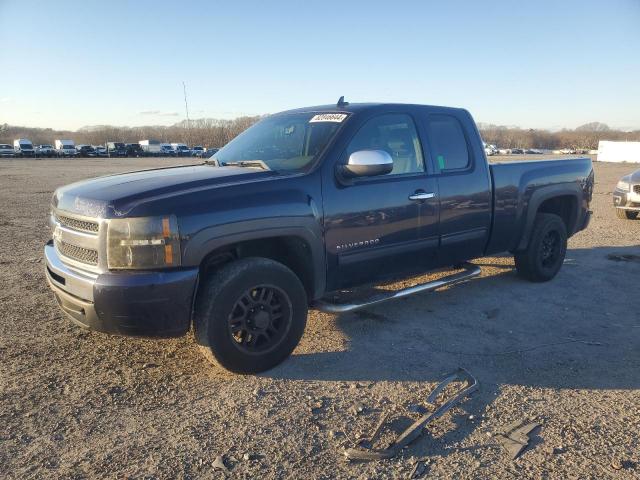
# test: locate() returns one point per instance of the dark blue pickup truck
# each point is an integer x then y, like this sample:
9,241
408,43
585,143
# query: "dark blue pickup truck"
302,205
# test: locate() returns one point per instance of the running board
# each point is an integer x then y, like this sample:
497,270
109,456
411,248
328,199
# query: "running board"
470,271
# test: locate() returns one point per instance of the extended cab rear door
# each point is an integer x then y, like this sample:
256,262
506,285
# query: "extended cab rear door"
464,186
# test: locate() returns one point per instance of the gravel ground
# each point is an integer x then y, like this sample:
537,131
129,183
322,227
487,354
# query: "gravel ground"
77,404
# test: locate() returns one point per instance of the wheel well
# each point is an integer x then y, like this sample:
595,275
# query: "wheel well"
565,207
292,251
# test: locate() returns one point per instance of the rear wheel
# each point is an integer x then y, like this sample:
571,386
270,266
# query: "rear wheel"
544,255
250,315
626,214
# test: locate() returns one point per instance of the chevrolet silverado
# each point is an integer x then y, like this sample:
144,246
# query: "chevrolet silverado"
302,205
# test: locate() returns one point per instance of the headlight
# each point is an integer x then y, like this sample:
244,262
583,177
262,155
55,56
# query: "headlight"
624,186
143,243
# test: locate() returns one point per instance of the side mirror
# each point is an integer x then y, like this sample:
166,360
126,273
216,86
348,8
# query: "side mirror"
367,163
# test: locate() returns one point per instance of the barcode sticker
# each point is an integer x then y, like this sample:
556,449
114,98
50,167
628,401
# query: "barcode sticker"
328,117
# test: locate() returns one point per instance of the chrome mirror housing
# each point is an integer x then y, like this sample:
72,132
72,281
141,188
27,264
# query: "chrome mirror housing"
368,163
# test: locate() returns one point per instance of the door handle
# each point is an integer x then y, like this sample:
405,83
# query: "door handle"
422,196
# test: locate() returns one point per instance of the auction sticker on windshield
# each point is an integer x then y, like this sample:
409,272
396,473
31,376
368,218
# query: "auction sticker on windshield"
328,117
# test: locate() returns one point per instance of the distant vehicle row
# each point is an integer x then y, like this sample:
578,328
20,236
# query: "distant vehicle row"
23,147
490,150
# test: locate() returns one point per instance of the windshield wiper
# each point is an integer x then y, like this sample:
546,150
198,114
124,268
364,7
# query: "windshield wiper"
246,163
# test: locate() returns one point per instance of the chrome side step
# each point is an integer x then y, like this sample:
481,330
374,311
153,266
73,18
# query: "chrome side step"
470,271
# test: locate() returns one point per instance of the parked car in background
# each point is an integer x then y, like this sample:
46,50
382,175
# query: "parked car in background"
23,147
181,149
197,151
533,151
116,149
101,151
45,151
7,150
150,147
490,150
86,151
65,148
210,152
166,150
568,151
134,150
517,151
626,196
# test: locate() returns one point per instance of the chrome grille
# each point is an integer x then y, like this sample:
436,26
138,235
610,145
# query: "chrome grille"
636,188
77,224
80,254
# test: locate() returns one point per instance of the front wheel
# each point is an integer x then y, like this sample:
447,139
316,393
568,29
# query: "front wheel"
626,214
250,315
543,257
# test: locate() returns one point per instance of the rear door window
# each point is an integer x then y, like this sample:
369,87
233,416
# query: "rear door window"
447,143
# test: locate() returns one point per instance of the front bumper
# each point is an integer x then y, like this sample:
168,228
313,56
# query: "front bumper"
626,200
148,304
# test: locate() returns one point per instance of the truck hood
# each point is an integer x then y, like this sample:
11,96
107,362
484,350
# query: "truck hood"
116,195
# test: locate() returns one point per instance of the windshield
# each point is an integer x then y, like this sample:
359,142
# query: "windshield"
283,142
26,146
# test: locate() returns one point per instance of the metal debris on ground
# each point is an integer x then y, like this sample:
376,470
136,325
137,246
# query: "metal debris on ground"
515,437
416,429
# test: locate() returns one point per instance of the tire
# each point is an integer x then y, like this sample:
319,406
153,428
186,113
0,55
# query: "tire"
250,301
626,214
544,255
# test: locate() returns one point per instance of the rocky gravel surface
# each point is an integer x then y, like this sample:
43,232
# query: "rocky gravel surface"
566,354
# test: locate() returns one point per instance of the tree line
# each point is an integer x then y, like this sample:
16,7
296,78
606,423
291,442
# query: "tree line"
208,132
585,137
215,133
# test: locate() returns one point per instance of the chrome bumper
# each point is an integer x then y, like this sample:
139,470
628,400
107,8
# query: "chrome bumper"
76,283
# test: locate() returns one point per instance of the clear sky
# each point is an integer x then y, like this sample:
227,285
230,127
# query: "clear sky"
542,63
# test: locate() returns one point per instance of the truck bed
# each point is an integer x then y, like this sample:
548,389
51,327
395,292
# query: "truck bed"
514,185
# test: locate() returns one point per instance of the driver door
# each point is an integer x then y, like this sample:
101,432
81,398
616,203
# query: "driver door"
374,226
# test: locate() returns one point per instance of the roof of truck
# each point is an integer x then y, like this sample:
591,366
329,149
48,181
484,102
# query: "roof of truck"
358,107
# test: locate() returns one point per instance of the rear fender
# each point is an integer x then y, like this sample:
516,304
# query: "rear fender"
539,197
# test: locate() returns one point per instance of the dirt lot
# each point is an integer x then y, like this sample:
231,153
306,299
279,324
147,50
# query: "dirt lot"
76,404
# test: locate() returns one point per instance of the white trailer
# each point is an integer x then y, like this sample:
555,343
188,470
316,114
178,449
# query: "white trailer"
150,147
65,148
23,147
609,151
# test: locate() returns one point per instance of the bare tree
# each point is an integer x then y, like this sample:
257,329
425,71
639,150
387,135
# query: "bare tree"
212,132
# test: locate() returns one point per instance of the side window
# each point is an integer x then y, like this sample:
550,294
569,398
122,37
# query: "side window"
396,134
447,142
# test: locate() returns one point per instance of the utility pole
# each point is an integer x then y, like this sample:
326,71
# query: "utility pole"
186,108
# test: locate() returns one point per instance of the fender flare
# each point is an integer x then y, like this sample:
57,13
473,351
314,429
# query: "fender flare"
539,197
307,229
